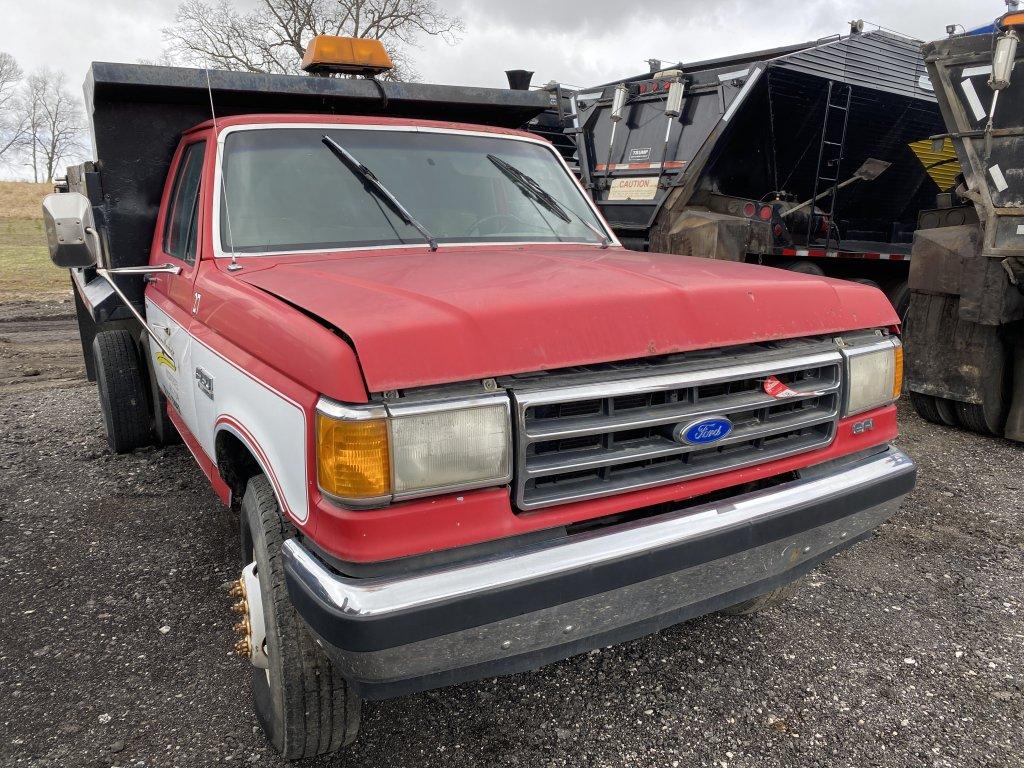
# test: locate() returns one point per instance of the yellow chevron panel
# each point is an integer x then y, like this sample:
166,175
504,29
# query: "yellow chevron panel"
942,166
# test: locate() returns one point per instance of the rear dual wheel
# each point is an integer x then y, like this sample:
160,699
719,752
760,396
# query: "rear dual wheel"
133,407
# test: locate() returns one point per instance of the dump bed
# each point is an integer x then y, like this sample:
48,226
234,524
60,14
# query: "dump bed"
758,126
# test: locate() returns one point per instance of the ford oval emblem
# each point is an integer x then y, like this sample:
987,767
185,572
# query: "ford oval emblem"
703,432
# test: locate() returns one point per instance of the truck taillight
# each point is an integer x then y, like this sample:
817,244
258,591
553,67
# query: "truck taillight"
749,209
765,213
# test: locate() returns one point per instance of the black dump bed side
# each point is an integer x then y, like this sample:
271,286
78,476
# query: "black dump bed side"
753,125
137,114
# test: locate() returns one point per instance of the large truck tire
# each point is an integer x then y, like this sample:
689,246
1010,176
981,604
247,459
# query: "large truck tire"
164,431
124,399
303,705
777,596
803,267
926,408
899,297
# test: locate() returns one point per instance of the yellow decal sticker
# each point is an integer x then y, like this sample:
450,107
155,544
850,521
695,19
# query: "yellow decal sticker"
163,359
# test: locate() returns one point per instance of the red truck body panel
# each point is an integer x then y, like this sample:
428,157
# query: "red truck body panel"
474,312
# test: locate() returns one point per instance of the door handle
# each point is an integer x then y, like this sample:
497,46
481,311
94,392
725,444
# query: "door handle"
151,279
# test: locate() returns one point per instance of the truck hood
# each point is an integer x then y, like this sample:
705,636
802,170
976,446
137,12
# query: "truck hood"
418,318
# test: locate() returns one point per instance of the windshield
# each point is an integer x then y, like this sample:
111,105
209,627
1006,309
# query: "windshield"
285,190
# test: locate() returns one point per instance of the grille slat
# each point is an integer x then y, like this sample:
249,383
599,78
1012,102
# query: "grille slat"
585,441
575,426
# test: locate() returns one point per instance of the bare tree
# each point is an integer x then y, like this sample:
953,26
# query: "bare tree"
12,119
54,122
273,36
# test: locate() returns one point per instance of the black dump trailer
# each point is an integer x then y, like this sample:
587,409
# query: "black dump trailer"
964,346
137,114
755,136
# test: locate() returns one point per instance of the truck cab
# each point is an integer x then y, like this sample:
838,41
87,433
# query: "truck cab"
465,431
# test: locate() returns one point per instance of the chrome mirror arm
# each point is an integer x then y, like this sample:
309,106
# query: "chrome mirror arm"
108,275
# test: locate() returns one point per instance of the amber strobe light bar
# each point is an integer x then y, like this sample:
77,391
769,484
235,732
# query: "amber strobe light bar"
327,54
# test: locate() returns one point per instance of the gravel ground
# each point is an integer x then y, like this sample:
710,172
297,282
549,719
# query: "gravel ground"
905,651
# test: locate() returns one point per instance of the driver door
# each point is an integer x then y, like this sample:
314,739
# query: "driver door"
170,300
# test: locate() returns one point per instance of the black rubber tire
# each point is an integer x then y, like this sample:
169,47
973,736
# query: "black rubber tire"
124,399
306,709
947,410
865,281
925,407
972,417
763,602
803,267
164,431
899,297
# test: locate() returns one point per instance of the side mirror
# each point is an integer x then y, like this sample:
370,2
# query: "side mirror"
71,230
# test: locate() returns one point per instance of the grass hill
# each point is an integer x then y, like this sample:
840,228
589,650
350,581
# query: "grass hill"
25,268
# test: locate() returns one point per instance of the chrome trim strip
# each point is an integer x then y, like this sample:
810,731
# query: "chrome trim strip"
347,412
384,596
659,382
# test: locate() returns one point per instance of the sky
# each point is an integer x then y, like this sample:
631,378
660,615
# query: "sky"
577,43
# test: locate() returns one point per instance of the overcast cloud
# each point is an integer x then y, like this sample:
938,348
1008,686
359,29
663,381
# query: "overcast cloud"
577,43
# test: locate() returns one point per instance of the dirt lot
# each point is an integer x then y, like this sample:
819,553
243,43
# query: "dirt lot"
905,651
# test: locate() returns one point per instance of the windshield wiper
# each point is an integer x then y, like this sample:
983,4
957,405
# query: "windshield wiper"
534,191
374,186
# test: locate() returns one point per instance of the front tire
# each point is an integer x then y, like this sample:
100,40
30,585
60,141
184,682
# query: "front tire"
777,596
303,705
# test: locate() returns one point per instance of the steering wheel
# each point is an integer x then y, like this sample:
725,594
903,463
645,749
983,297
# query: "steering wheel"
500,220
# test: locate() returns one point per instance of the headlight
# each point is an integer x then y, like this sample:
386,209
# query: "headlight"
874,375
370,455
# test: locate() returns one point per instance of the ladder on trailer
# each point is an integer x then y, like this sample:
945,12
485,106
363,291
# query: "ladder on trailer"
830,155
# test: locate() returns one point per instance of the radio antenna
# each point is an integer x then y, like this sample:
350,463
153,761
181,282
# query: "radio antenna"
234,265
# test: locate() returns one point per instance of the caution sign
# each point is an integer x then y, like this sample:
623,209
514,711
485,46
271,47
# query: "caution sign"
635,188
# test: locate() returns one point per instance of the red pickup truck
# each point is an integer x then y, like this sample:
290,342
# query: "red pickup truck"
467,432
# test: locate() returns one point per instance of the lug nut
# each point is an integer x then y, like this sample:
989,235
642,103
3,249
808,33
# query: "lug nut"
242,648
242,606
242,627
237,589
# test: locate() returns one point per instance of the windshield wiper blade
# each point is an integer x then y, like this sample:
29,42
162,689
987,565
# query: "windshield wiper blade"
533,190
374,185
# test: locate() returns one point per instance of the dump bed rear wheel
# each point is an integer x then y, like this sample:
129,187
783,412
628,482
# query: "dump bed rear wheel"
803,267
122,388
303,705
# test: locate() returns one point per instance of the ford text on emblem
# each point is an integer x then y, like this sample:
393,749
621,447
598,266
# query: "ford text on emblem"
703,432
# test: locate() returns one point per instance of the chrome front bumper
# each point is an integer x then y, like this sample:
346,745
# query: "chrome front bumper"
522,609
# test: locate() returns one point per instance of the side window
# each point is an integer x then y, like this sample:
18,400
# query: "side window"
182,223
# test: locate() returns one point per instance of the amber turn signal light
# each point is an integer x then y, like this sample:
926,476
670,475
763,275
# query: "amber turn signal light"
897,374
353,460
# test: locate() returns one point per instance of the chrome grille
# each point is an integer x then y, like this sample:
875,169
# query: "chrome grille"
596,439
